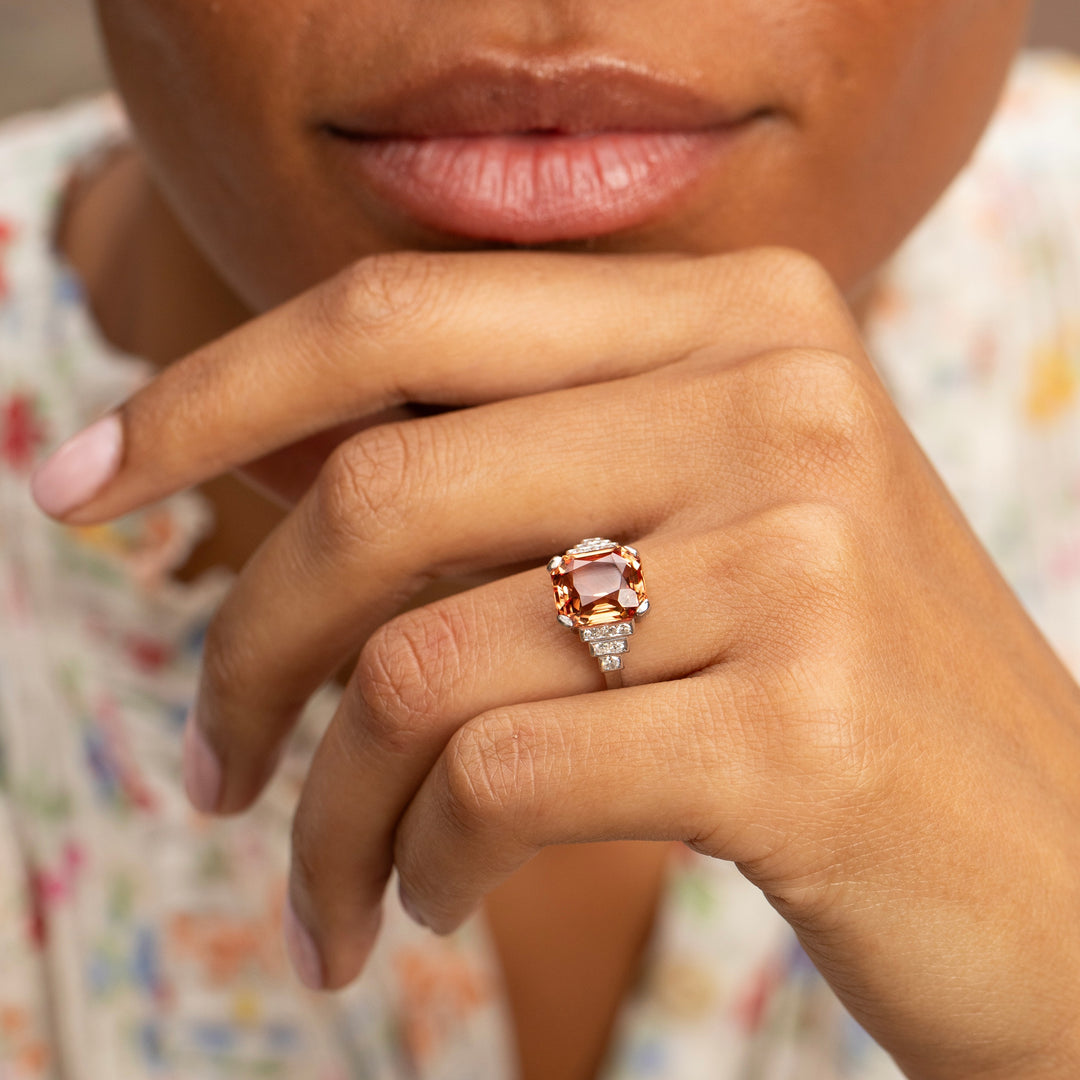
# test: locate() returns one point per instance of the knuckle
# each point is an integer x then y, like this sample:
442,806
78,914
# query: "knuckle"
818,546
817,732
403,671
361,490
815,380
810,661
794,273
490,769
377,296
838,750
807,565
821,414
730,292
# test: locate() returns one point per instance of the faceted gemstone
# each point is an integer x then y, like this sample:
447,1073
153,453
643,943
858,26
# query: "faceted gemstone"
601,586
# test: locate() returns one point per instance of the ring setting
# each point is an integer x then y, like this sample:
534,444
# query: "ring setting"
600,591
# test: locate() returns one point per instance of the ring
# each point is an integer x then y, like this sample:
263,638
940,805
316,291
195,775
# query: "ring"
599,591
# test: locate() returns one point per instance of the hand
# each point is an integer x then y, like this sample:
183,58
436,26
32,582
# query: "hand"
835,688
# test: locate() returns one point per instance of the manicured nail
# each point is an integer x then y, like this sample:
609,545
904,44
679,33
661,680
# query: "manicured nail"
202,770
79,468
303,955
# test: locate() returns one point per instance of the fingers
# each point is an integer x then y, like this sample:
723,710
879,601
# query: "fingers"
487,677
428,672
448,328
400,504
650,762
657,761
482,488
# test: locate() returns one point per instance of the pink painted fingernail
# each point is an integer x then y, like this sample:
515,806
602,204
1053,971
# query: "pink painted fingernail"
79,468
202,770
303,955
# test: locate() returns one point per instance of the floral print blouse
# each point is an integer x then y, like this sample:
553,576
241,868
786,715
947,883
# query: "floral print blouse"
139,939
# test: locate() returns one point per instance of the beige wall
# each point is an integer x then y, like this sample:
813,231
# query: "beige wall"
1057,22
48,49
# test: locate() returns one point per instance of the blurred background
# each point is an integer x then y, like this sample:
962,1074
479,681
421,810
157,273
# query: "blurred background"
48,49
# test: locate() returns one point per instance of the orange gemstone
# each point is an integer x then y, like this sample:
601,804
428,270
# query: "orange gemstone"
601,586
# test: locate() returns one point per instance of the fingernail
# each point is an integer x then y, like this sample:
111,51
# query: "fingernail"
410,908
79,468
202,770
303,955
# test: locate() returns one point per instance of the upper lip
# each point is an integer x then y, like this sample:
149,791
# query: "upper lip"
487,96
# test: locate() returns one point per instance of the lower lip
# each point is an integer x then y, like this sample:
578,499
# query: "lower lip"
528,189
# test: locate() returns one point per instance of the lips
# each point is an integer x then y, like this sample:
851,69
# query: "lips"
528,154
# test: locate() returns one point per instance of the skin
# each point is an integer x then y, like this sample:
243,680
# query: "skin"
878,104
840,575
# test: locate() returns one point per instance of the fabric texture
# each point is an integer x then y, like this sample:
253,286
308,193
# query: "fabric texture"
140,939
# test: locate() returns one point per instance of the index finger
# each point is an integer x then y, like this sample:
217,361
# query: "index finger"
442,328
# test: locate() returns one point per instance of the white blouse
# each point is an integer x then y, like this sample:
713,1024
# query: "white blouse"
139,939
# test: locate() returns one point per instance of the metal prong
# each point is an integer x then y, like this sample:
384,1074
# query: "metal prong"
553,563
643,608
633,551
564,620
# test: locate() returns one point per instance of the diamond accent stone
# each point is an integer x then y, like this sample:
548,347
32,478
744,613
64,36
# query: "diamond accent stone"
598,585
609,648
610,630
610,663
591,544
